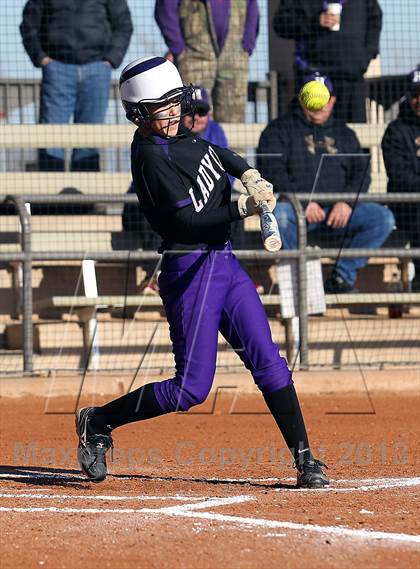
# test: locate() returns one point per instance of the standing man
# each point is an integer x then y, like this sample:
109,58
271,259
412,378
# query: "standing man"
210,42
401,151
76,44
339,39
305,152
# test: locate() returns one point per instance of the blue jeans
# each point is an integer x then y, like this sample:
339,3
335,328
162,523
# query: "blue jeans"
78,91
369,227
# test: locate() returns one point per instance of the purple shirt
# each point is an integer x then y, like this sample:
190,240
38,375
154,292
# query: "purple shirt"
215,134
166,15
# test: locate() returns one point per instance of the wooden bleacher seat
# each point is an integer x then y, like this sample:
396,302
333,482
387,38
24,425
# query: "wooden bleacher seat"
103,233
85,308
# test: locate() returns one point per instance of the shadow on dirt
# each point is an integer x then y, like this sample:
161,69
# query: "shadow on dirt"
43,476
68,478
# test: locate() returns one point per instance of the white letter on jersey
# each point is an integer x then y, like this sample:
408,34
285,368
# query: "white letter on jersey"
207,162
213,154
203,189
198,206
208,180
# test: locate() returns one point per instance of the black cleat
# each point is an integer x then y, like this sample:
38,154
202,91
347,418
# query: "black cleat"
337,285
311,475
92,446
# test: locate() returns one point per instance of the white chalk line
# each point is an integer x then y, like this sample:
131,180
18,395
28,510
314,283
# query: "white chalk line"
210,503
173,510
190,511
103,497
334,530
56,509
385,484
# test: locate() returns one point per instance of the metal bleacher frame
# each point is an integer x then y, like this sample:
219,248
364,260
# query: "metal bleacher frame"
19,188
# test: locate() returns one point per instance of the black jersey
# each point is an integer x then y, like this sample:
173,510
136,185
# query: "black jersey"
184,190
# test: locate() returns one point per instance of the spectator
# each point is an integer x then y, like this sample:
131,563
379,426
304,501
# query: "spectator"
76,44
338,46
134,219
310,145
401,151
210,41
202,124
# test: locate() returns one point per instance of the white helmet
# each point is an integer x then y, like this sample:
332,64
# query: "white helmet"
152,80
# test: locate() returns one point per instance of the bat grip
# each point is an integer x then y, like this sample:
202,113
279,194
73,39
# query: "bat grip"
264,207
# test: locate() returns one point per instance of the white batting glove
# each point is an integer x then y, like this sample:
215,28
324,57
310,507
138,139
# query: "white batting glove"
256,186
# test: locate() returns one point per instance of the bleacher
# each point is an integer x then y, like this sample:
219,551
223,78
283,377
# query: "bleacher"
78,237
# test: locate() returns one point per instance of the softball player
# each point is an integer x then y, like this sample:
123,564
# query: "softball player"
183,188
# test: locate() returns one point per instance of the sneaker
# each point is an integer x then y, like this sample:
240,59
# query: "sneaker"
337,285
311,475
92,446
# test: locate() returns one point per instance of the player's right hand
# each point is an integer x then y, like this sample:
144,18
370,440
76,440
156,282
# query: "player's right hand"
248,205
256,186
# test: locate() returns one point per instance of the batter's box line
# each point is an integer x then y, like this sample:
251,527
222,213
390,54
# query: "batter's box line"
104,497
190,511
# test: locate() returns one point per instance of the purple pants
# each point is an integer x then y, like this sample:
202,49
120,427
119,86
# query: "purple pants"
204,292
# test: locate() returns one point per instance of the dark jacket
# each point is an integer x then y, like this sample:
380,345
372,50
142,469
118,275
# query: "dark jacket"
345,53
76,31
301,145
401,151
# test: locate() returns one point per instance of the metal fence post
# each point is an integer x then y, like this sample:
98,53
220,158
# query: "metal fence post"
27,304
302,279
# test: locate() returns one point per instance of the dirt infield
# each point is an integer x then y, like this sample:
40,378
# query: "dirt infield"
214,488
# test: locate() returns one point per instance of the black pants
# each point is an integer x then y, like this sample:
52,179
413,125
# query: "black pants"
48,163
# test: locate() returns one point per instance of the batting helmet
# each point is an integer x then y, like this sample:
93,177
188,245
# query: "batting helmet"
153,80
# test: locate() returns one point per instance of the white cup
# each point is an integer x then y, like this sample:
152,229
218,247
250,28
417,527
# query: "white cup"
335,8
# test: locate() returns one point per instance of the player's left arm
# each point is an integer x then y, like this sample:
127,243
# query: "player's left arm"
254,183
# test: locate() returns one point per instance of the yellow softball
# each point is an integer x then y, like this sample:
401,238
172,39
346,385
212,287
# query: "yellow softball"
314,95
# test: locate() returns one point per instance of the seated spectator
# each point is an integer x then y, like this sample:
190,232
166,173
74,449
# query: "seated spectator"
311,148
401,151
202,124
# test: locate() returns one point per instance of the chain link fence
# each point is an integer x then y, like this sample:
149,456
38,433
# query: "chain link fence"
78,261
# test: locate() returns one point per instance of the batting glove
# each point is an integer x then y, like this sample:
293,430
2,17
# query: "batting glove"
248,205
256,186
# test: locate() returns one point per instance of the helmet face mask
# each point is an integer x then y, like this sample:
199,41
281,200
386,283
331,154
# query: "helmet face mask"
141,112
145,95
